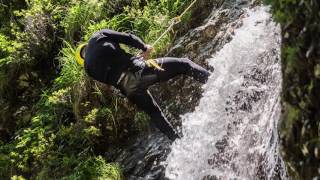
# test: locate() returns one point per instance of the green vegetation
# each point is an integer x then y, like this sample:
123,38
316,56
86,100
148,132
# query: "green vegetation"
55,122
300,22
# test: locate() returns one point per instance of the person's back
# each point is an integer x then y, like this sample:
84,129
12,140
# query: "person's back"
105,59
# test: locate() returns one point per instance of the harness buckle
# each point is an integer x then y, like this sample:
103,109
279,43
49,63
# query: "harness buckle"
153,63
121,77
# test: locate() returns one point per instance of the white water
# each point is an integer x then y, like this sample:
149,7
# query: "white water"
232,134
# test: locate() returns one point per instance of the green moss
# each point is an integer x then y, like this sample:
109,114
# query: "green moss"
15,177
142,120
79,17
95,168
71,73
301,85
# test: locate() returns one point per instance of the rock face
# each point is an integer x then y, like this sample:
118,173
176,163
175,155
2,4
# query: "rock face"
143,157
140,159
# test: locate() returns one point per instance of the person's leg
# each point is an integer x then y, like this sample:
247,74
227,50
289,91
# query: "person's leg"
136,89
145,102
173,67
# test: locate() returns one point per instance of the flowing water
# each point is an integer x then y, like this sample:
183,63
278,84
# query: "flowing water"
232,134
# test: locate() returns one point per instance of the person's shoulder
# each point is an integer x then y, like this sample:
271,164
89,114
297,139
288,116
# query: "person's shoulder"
106,30
100,33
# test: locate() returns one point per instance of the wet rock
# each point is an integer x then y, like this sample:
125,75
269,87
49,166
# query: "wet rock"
142,157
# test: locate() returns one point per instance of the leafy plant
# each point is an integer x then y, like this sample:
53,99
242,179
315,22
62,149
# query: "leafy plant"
70,119
300,54
71,73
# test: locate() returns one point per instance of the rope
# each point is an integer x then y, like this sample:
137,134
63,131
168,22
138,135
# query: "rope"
174,21
187,9
164,33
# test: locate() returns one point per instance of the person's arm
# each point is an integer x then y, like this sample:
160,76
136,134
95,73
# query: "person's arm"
125,38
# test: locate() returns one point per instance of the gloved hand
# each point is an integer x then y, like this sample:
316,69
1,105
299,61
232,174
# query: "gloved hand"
146,53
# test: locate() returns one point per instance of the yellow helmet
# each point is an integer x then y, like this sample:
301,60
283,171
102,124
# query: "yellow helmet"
79,54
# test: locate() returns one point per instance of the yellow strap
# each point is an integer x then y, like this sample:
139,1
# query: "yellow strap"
153,63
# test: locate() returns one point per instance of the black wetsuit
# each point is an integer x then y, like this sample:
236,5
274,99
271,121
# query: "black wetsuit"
106,62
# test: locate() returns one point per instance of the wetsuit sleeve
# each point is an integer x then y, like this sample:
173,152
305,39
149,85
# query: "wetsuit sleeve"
125,38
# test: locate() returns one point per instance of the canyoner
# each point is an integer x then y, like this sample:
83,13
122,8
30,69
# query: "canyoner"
105,61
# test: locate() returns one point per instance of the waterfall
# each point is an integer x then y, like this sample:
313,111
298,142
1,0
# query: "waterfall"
232,133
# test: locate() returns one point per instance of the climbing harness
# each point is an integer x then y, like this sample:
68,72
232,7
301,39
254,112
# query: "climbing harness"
153,63
149,63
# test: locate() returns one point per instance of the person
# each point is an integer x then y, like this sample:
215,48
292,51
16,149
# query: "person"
105,61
